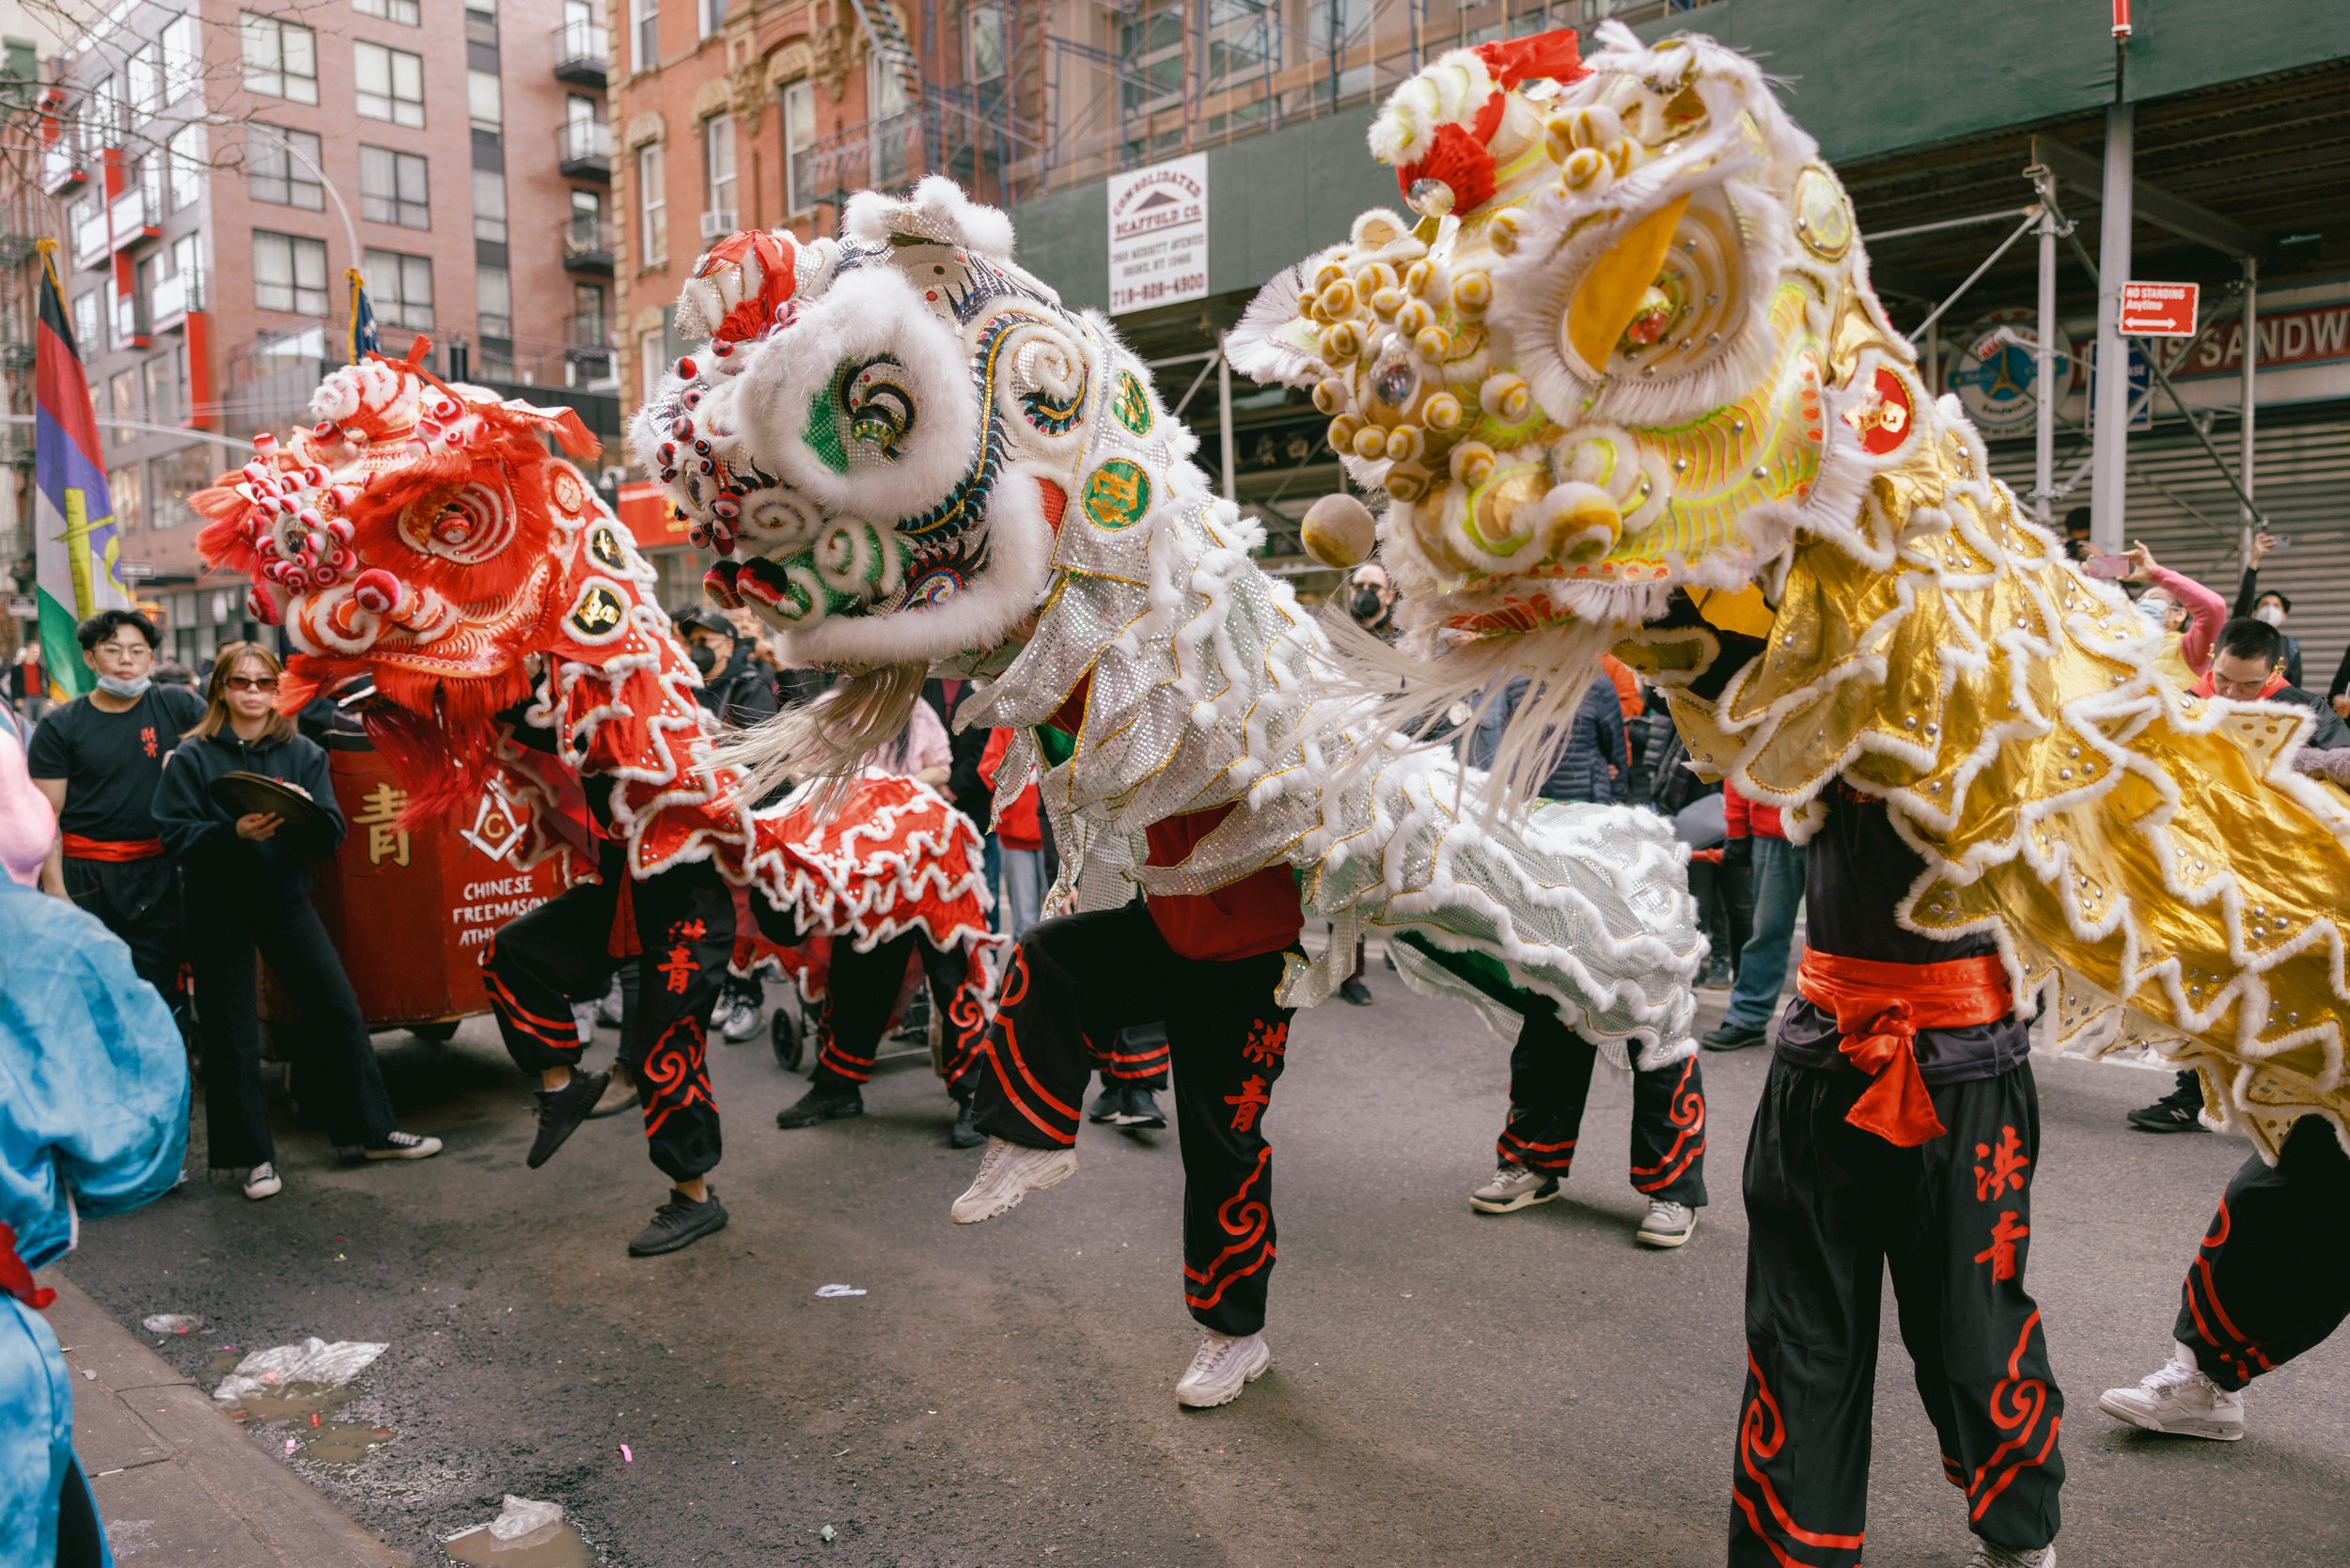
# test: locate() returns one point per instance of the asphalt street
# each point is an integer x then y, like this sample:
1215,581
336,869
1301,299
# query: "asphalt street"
1447,1387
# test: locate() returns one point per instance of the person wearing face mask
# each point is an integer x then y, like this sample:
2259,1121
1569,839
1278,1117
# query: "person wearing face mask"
2185,609
1370,601
2269,606
97,759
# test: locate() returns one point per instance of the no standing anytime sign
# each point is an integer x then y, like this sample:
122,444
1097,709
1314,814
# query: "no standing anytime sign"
2158,309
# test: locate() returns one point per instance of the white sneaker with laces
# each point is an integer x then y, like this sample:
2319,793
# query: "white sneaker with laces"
262,1183
404,1146
1221,1368
1514,1187
2178,1399
742,1021
1990,1556
1669,1224
1008,1172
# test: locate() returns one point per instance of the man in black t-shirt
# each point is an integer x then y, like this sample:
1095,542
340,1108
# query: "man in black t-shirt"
98,758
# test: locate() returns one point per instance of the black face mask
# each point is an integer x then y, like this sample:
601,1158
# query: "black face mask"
704,658
1365,606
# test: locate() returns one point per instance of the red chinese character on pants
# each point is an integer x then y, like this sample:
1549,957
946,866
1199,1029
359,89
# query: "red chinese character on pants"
147,739
1251,1098
687,931
680,969
2007,1167
1266,1042
2001,1254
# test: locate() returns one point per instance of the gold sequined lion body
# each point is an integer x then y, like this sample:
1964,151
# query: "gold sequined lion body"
1623,383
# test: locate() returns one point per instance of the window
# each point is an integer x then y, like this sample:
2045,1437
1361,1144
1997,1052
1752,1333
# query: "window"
489,206
587,313
129,496
173,479
493,300
895,144
280,168
183,168
390,11
482,101
644,34
799,142
392,188
718,163
143,80
163,388
85,322
102,112
984,26
713,15
280,59
651,205
182,64
401,288
125,389
651,362
289,273
390,84
579,109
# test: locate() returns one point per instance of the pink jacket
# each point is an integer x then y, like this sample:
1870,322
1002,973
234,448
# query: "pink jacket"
2206,613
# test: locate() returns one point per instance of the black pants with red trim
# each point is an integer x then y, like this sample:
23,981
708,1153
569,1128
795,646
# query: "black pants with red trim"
139,901
1074,984
1829,1208
559,953
861,992
2272,1278
1550,1082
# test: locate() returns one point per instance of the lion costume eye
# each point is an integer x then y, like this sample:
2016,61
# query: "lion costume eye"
877,404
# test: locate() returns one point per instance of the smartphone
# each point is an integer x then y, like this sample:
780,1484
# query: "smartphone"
2107,566
2279,541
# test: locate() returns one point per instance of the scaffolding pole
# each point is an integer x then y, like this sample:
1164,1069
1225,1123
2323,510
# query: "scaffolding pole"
2110,419
2250,364
2043,359
1224,418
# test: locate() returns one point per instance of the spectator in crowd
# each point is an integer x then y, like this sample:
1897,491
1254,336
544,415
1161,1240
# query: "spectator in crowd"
171,672
1020,833
248,889
971,794
2269,604
2190,613
95,1122
1756,847
2337,691
2076,542
735,690
2247,666
97,759
1595,765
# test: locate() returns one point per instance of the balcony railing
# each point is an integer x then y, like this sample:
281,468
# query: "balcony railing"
175,296
587,347
137,214
133,327
583,149
61,164
588,244
583,52
882,154
89,239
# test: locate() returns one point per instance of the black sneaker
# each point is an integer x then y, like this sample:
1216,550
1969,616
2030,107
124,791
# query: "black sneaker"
2172,1113
1354,991
1731,1037
1107,1103
1140,1113
819,1106
1717,976
561,1111
679,1222
966,1132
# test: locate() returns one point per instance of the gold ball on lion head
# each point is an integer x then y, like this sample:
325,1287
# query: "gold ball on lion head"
1329,395
1506,397
1341,343
1472,462
1433,343
1338,299
1342,430
1407,481
1441,412
1405,442
1370,442
1339,531
1579,523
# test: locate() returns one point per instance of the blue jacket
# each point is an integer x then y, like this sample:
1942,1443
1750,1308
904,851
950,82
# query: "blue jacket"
93,1120
1593,764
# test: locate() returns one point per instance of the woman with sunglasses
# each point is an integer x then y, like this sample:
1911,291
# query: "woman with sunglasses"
247,890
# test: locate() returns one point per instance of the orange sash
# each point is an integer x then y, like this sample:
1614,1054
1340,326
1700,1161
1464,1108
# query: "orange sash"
1880,1006
117,850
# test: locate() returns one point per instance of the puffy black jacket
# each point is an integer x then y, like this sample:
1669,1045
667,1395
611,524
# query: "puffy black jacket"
1591,768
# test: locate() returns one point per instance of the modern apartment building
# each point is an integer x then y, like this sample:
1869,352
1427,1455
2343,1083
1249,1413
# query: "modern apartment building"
212,170
770,111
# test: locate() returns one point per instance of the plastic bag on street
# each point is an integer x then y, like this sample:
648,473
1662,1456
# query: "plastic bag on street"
171,1322
314,1360
520,1515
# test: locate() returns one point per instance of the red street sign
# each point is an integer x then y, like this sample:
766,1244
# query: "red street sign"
2120,19
2159,310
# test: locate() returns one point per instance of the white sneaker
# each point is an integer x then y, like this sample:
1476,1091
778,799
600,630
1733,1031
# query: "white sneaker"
742,1021
1514,1187
262,1183
404,1146
2178,1399
1669,1224
1007,1174
1990,1556
1221,1368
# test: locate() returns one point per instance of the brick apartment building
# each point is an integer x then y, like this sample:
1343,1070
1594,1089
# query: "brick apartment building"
212,168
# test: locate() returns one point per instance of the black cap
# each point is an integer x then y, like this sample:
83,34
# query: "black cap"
702,618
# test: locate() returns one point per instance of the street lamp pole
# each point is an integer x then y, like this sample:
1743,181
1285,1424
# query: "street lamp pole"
351,233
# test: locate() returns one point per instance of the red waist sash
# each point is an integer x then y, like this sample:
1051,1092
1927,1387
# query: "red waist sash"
79,848
1879,1007
15,1279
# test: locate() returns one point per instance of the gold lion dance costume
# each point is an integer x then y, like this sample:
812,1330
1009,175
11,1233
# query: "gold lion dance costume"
1626,386
908,453
422,536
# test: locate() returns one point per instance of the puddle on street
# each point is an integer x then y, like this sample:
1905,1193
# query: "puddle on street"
289,1413
220,1366
339,1442
555,1545
295,1402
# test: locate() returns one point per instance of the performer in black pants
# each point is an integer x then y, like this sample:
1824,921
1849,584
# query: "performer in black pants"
1074,984
860,989
2264,1287
678,930
1900,1129
248,890
1550,1081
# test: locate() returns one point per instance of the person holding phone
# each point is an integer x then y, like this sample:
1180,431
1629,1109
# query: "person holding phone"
2269,604
247,886
2187,610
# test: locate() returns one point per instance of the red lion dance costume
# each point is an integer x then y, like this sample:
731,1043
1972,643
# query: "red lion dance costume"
424,536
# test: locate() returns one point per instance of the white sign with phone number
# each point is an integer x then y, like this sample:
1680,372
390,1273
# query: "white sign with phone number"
1159,234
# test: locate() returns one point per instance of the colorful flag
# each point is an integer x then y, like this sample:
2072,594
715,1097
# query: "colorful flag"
72,514
363,340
